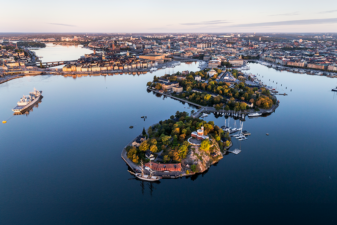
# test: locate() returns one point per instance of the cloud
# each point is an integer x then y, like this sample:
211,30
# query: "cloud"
211,22
324,12
287,14
62,24
288,22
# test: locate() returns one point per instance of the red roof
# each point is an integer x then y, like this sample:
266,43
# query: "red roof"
164,167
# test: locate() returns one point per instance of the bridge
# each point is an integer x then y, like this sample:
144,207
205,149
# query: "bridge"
52,64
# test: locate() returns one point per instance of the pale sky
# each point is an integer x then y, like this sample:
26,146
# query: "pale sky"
155,16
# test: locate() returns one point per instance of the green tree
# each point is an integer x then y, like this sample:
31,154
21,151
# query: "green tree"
149,83
166,158
193,168
144,132
165,139
149,131
153,141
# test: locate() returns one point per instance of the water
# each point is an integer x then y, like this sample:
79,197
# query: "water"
54,53
61,164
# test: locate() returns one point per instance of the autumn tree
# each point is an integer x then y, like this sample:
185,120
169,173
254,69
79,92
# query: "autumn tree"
205,145
153,148
144,146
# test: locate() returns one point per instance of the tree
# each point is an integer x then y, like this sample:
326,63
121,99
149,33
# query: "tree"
135,159
193,168
144,132
165,139
166,158
183,149
207,97
158,86
149,131
227,143
131,152
149,83
243,105
153,148
205,145
144,146
153,141
182,137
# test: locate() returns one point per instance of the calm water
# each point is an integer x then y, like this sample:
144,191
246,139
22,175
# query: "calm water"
61,164
59,52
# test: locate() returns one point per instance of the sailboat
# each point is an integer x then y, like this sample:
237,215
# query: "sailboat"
143,176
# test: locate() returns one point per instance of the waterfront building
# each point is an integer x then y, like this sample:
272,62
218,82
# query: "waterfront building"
164,167
177,89
236,62
317,66
153,57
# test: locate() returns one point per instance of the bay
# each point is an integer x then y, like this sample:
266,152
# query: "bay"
61,164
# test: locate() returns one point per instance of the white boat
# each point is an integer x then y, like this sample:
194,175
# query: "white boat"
254,114
145,177
334,89
27,101
204,115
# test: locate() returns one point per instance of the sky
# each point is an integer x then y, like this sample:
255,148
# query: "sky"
179,16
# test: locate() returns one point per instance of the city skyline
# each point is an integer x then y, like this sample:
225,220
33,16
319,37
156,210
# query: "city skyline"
179,17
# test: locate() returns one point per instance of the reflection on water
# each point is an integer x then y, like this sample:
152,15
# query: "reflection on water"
83,124
53,52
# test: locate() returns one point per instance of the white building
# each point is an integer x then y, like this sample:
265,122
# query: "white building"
211,73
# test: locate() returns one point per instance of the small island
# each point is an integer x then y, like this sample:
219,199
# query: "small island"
176,147
215,90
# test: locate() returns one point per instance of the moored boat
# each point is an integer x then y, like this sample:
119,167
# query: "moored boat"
27,101
254,114
145,177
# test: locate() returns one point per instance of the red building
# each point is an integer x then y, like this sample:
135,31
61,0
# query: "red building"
164,167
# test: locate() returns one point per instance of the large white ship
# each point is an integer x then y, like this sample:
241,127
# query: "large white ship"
27,101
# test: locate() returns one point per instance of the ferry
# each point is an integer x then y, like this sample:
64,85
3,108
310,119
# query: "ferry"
27,101
254,114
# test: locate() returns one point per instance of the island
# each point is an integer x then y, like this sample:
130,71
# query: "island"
227,91
176,147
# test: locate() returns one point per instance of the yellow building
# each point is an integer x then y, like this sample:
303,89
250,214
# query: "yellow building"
153,57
